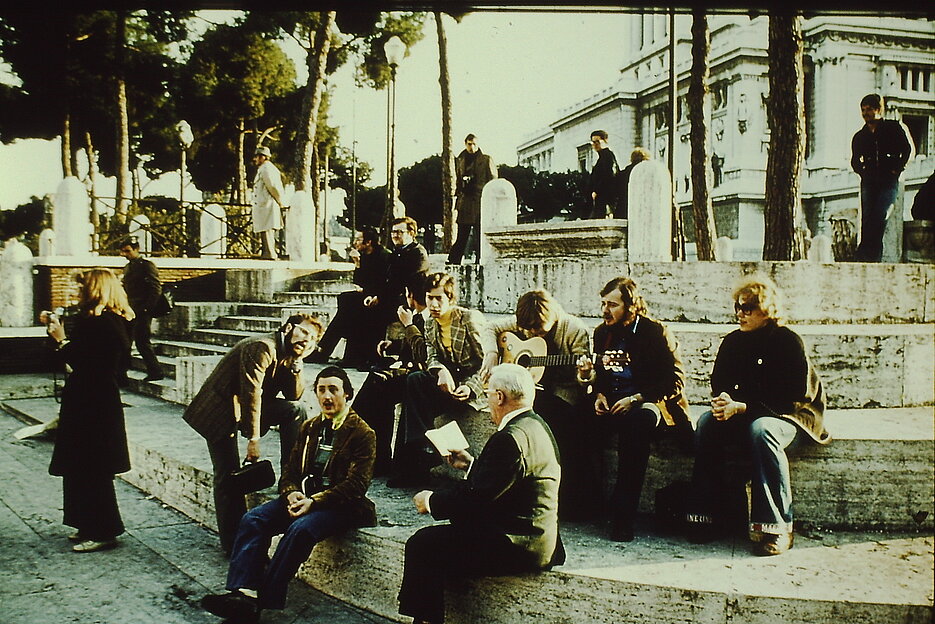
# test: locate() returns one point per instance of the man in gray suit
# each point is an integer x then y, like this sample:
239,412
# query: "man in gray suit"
241,394
504,516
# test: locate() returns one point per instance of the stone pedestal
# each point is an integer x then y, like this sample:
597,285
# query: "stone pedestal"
820,250
213,231
497,210
16,285
47,243
893,235
301,231
649,198
71,208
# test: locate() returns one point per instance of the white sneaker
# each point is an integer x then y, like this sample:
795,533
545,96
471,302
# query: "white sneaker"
92,546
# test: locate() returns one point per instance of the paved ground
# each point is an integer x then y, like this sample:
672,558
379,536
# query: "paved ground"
164,564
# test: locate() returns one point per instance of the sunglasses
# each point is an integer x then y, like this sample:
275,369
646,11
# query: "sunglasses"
747,307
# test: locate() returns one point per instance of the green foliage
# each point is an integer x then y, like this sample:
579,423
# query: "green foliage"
420,188
373,70
26,220
545,195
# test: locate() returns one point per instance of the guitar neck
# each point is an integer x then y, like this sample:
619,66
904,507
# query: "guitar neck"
552,360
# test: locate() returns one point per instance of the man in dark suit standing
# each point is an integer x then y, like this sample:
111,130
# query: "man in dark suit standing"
473,170
141,281
602,183
503,517
241,394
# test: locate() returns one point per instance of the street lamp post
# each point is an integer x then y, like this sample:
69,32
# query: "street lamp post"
186,138
394,49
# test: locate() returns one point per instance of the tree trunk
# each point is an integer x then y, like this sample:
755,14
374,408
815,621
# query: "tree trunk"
448,159
702,212
122,121
308,123
785,115
240,186
67,169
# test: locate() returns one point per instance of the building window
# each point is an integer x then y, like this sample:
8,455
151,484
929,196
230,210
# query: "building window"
915,79
919,131
583,157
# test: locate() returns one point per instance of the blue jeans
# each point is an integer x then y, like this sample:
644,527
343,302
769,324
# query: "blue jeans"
250,565
876,200
766,439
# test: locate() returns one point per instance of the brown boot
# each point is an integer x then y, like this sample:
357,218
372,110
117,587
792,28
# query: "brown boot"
772,544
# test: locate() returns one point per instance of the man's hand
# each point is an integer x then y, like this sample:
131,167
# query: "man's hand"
253,450
298,504
460,460
382,346
371,301
490,360
420,500
354,255
55,329
585,366
600,405
446,383
461,393
723,407
623,406
405,315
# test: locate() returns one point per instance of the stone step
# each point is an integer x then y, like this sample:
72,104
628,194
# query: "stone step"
164,389
184,348
318,300
851,292
255,324
168,364
318,285
221,337
828,576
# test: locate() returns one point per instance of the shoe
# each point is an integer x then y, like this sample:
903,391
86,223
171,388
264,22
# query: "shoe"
771,544
234,605
93,546
158,377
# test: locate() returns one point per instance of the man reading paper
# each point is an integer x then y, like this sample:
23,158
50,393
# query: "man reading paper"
503,517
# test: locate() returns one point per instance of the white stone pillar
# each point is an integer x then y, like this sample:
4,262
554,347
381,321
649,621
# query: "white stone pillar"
301,231
16,285
139,229
47,242
213,228
649,219
820,250
724,249
71,210
497,209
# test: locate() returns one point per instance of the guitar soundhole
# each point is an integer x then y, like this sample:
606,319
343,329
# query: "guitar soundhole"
523,360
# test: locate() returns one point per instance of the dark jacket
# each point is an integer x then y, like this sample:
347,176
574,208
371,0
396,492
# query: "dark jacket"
881,154
141,281
769,370
408,343
91,436
511,490
371,273
471,175
250,370
349,469
657,368
603,177
407,265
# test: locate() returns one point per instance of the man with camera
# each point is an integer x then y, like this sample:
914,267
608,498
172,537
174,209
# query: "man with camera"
322,492
241,394
473,169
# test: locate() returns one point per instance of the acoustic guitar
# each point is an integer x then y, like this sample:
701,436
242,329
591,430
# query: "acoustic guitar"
533,353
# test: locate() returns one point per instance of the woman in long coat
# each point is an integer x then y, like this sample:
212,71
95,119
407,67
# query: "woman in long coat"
91,440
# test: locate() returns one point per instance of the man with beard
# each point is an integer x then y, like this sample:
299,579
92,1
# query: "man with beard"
241,394
322,492
638,384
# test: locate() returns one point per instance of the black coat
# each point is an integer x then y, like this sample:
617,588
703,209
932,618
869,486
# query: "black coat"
371,273
881,154
141,281
91,436
406,267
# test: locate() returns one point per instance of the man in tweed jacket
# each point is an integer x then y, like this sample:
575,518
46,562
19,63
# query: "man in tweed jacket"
455,340
241,395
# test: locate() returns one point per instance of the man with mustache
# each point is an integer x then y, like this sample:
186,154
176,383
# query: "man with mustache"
322,492
638,384
241,395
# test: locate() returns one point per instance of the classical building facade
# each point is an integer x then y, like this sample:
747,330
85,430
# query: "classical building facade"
846,57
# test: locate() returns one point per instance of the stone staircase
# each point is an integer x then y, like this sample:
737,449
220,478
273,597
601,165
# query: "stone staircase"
871,332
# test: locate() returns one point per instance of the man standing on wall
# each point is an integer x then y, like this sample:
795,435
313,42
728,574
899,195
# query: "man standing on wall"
879,153
141,281
602,184
267,202
473,169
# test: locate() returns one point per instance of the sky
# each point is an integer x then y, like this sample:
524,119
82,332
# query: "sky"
511,72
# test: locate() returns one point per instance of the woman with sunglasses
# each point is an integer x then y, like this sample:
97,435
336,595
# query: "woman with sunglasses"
765,396
91,440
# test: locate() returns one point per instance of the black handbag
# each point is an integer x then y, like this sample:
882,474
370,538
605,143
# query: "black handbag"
252,477
164,303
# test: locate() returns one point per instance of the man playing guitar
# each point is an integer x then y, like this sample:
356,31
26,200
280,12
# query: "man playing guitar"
560,399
